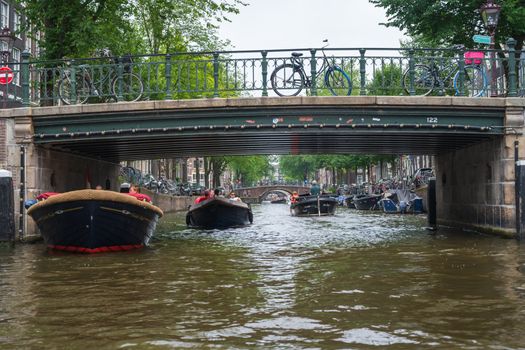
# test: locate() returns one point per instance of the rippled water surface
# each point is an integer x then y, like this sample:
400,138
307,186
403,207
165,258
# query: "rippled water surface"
353,281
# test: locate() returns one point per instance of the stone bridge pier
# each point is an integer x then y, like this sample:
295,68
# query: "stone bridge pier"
37,169
475,186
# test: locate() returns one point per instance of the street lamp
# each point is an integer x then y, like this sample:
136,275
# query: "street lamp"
8,38
490,14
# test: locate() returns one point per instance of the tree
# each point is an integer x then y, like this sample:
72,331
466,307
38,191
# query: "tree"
169,26
74,28
386,80
249,169
452,21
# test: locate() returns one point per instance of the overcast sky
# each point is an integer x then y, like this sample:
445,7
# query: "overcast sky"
275,24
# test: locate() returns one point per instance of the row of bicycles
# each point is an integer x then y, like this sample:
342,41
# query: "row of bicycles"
289,79
117,81
159,185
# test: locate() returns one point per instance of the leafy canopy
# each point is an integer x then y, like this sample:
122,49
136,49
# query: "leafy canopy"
447,22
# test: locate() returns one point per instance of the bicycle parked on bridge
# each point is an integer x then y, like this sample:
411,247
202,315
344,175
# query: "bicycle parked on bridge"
104,83
428,77
289,79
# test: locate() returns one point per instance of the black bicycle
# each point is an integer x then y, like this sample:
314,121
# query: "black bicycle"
428,77
289,79
107,85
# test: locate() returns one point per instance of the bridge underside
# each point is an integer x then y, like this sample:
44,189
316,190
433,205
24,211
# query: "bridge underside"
237,143
341,125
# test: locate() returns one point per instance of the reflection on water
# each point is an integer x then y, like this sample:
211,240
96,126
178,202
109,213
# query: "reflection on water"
357,280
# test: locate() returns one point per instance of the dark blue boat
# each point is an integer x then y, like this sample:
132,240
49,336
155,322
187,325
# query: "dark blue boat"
219,212
93,221
401,201
367,202
313,206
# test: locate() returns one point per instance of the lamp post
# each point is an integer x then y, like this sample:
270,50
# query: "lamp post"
7,39
490,15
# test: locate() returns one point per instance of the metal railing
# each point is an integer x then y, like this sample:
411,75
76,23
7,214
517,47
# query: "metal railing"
372,71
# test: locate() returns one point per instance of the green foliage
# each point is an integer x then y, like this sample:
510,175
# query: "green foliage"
249,168
452,22
295,167
386,80
75,28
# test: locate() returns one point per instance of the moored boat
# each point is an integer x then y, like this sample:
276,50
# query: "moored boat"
401,201
368,202
93,221
278,201
218,212
313,206
350,200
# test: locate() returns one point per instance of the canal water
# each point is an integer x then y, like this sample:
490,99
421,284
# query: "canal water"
359,280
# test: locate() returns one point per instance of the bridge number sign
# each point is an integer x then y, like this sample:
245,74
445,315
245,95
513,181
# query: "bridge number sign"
6,75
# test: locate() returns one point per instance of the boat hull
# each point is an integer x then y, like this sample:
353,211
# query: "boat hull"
219,213
314,206
367,202
92,226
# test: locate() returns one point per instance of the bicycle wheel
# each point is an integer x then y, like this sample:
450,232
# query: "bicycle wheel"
424,80
287,80
132,87
475,83
81,90
338,82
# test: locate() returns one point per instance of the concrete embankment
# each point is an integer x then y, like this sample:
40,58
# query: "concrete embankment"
169,203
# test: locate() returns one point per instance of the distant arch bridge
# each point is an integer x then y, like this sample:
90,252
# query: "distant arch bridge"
259,192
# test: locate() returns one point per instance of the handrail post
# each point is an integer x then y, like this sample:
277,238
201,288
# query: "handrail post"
73,77
169,95
215,74
511,43
264,66
120,70
362,72
313,72
411,72
25,78
461,69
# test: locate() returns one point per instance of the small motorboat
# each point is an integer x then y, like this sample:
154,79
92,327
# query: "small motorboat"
349,201
278,201
306,205
219,212
368,202
401,201
94,221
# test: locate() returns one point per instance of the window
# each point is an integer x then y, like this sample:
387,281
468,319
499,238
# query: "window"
16,25
15,58
28,43
4,15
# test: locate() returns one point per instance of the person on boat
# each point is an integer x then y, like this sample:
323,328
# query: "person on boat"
98,187
217,193
315,190
125,187
295,197
133,189
233,197
204,197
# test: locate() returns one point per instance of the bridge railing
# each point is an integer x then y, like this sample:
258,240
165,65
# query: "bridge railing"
372,71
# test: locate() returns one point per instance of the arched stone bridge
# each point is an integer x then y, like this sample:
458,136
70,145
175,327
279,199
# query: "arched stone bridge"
260,192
